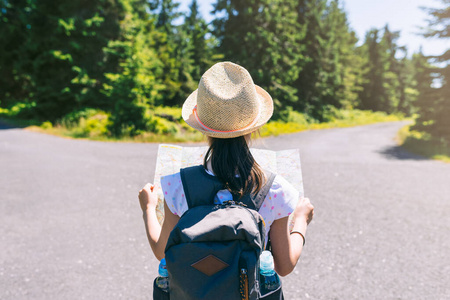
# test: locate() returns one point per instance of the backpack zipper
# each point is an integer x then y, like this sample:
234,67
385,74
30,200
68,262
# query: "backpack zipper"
244,284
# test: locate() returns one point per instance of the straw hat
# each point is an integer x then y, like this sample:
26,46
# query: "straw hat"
227,103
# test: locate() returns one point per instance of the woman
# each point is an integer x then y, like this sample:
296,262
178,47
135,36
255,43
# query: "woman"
227,107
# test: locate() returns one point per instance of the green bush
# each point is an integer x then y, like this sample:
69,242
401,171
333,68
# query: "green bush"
21,110
128,119
330,113
96,125
275,128
47,125
160,125
87,123
73,119
172,114
423,143
291,116
298,118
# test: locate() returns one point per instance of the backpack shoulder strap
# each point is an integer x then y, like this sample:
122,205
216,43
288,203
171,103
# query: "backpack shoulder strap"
259,198
199,186
255,202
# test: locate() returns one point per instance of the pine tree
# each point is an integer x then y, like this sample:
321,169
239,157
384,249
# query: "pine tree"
192,51
138,78
395,84
423,83
374,95
330,73
310,15
387,74
340,61
200,50
434,100
14,32
172,51
408,92
262,36
61,53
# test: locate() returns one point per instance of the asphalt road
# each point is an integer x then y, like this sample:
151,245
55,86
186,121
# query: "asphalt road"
71,226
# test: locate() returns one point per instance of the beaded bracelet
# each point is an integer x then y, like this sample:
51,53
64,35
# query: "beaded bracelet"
301,234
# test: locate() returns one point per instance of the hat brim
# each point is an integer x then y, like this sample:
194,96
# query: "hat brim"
266,111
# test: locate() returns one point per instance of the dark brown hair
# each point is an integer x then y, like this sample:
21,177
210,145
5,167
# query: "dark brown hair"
234,165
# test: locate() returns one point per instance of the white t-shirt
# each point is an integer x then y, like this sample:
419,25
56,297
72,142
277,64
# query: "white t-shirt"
280,202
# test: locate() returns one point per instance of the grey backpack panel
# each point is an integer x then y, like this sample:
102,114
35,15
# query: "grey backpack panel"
212,244
222,223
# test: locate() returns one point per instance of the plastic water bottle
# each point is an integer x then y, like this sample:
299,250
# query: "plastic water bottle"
163,279
269,278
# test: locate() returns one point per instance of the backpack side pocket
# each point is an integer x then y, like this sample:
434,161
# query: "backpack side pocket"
158,293
274,295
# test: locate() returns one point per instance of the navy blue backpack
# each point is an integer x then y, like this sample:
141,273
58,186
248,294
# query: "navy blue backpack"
213,252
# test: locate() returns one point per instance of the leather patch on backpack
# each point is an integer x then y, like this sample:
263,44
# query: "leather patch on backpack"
210,265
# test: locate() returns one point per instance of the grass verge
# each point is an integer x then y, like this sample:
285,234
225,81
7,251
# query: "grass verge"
423,144
146,137
345,118
170,128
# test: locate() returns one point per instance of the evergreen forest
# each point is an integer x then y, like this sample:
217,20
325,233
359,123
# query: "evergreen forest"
127,65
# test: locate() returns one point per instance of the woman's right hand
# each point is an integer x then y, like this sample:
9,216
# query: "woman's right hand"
148,198
304,210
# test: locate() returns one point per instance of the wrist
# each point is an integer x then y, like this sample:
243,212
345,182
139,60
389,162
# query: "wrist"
300,224
300,234
301,220
149,210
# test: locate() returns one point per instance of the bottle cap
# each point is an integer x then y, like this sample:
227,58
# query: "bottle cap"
162,270
266,261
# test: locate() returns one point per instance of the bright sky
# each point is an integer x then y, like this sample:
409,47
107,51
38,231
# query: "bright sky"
401,15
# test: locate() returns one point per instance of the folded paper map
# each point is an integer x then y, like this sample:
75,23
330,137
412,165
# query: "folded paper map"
172,158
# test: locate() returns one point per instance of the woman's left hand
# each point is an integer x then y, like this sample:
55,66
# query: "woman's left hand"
304,210
148,197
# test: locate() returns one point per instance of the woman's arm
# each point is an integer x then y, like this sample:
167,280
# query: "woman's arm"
157,235
286,247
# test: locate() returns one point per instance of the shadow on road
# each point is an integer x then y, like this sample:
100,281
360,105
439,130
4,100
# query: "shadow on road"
7,125
397,152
